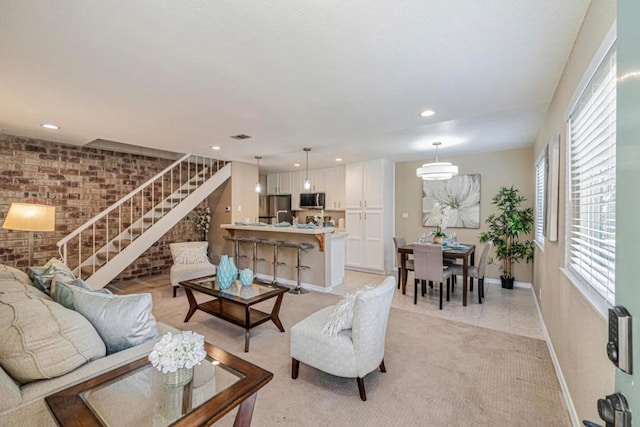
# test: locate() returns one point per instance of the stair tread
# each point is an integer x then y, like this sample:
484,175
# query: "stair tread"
105,255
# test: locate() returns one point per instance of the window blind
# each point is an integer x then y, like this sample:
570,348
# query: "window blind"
592,178
539,202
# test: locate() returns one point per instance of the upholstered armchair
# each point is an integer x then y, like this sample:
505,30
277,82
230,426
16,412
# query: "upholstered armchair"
190,261
353,352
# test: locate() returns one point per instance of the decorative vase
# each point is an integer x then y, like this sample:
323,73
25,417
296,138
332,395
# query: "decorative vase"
246,277
178,378
437,240
227,272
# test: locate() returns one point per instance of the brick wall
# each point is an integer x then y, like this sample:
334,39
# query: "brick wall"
80,182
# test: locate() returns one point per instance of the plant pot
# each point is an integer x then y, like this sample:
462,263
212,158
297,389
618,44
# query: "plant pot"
438,240
507,282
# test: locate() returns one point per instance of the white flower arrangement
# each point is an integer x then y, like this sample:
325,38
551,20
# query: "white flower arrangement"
183,350
440,216
203,220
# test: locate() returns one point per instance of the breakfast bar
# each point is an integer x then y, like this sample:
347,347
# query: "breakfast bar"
324,259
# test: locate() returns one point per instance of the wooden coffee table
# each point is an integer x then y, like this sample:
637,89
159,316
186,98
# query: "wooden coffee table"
234,304
133,394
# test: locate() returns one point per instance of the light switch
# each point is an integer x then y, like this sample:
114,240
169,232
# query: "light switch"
405,215
239,208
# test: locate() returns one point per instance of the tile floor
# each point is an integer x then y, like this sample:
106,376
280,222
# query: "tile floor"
508,310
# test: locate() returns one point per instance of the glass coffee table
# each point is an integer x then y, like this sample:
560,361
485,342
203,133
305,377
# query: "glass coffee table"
134,395
234,304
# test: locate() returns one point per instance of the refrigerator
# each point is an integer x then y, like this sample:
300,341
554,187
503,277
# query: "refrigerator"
269,206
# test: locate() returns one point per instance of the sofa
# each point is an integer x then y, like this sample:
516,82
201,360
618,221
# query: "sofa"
46,347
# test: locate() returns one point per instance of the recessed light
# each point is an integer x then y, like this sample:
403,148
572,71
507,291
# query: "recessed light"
427,113
215,147
50,126
296,165
338,159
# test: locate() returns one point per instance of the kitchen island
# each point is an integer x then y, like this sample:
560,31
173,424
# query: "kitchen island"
325,259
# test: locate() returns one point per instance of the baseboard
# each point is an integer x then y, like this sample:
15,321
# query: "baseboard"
524,285
575,421
293,284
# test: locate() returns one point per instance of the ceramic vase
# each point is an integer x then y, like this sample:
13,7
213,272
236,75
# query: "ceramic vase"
437,240
246,277
227,272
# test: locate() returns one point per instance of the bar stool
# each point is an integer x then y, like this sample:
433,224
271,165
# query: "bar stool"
300,247
240,241
276,245
256,241
236,248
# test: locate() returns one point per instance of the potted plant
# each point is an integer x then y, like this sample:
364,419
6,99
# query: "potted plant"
440,217
506,229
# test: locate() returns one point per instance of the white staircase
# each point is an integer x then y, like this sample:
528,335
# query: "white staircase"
105,245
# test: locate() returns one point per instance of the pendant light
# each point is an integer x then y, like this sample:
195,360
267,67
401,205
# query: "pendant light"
258,186
437,171
307,183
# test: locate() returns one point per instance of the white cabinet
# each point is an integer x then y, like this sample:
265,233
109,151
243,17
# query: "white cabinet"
369,201
364,182
279,183
296,188
334,181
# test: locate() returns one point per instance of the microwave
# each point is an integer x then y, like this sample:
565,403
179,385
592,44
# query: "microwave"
312,201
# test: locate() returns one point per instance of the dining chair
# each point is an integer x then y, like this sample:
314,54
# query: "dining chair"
427,260
476,272
399,242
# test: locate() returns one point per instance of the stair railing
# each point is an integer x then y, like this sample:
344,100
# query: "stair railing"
96,241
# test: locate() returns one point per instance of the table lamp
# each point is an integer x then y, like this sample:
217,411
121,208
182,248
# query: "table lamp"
30,217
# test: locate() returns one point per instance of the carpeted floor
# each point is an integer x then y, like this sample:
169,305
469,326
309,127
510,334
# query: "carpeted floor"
439,372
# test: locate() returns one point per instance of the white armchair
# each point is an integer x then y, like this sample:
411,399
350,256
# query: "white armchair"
190,261
354,352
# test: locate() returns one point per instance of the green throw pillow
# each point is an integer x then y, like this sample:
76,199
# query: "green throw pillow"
122,321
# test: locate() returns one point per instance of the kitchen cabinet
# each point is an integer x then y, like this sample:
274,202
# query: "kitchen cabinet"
368,217
335,188
279,183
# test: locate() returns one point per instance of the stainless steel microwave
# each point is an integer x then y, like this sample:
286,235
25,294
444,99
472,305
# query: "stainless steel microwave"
312,201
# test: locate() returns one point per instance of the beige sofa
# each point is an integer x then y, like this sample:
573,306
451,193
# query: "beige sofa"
22,397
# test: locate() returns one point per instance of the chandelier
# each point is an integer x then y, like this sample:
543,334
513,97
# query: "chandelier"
438,170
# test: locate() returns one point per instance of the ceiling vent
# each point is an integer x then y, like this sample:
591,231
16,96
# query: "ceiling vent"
240,137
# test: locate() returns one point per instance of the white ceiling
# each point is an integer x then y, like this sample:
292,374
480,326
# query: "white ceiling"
347,79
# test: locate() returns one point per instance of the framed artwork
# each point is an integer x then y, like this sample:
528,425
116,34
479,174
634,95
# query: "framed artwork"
461,193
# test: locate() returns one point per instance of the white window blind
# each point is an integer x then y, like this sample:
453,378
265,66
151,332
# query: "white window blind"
592,124
539,202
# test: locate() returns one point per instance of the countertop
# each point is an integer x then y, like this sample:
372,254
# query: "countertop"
274,229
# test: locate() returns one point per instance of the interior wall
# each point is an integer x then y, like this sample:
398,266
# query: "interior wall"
80,182
244,199
577,331
496,169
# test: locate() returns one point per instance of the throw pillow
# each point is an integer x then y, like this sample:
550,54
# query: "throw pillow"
62,293
42,279
40,338
192,253
10,273
122,321
342,315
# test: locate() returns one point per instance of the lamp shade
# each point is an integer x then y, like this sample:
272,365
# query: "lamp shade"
30,217
437,171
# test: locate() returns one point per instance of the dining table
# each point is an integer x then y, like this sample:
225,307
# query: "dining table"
463,251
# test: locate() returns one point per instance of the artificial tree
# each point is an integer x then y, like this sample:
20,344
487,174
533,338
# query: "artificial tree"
505,230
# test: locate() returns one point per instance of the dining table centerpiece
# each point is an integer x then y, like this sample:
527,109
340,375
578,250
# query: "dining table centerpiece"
175,355
439,217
